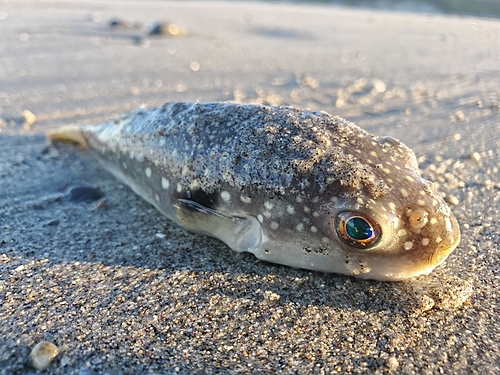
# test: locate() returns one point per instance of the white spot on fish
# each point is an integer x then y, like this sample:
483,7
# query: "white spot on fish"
392,206
314,229
404,193
157,197
307,209
260,218
290,209
447,224
300,227
179,188
268,205
274,225
148,172
226,197
245,199
402,232
425,241
420,202
165,183
408,245
298,199
433,221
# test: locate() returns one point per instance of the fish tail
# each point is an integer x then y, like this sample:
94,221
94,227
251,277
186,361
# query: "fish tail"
68,133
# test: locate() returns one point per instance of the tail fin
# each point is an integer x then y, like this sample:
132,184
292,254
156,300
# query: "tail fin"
68,133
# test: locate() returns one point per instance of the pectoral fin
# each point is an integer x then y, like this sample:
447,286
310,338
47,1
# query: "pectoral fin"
239,233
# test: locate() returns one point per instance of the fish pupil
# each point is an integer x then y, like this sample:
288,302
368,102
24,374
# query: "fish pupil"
359,229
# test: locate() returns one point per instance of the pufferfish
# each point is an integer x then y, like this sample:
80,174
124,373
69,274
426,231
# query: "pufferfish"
295,187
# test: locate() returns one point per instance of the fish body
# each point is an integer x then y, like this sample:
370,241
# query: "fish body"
294,187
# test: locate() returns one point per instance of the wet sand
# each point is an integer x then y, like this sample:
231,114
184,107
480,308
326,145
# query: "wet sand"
121,290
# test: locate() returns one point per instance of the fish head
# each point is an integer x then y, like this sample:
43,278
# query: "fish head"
403,232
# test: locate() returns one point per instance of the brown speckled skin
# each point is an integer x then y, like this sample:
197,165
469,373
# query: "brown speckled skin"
293,171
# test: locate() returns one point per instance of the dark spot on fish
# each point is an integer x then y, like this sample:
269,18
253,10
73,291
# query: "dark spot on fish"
206,200
84,194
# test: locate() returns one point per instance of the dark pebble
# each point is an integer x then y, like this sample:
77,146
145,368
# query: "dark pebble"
53,223
168,29
118,23
84,194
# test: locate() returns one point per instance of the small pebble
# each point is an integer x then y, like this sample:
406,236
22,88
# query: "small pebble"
29,119
102,204
53,223
458,116
84,194
475,156
379,86
43,354
195,66
271,297
392,363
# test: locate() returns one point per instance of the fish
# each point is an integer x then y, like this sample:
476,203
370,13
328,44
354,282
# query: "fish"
294,187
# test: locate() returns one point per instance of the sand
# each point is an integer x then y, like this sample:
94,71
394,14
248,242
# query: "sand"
120,290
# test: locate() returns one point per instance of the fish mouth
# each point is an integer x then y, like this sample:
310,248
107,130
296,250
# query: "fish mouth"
437,257
444,250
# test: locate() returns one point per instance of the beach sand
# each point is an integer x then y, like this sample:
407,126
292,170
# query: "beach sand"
120,290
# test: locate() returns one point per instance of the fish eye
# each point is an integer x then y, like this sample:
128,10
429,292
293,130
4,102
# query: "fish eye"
357,230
